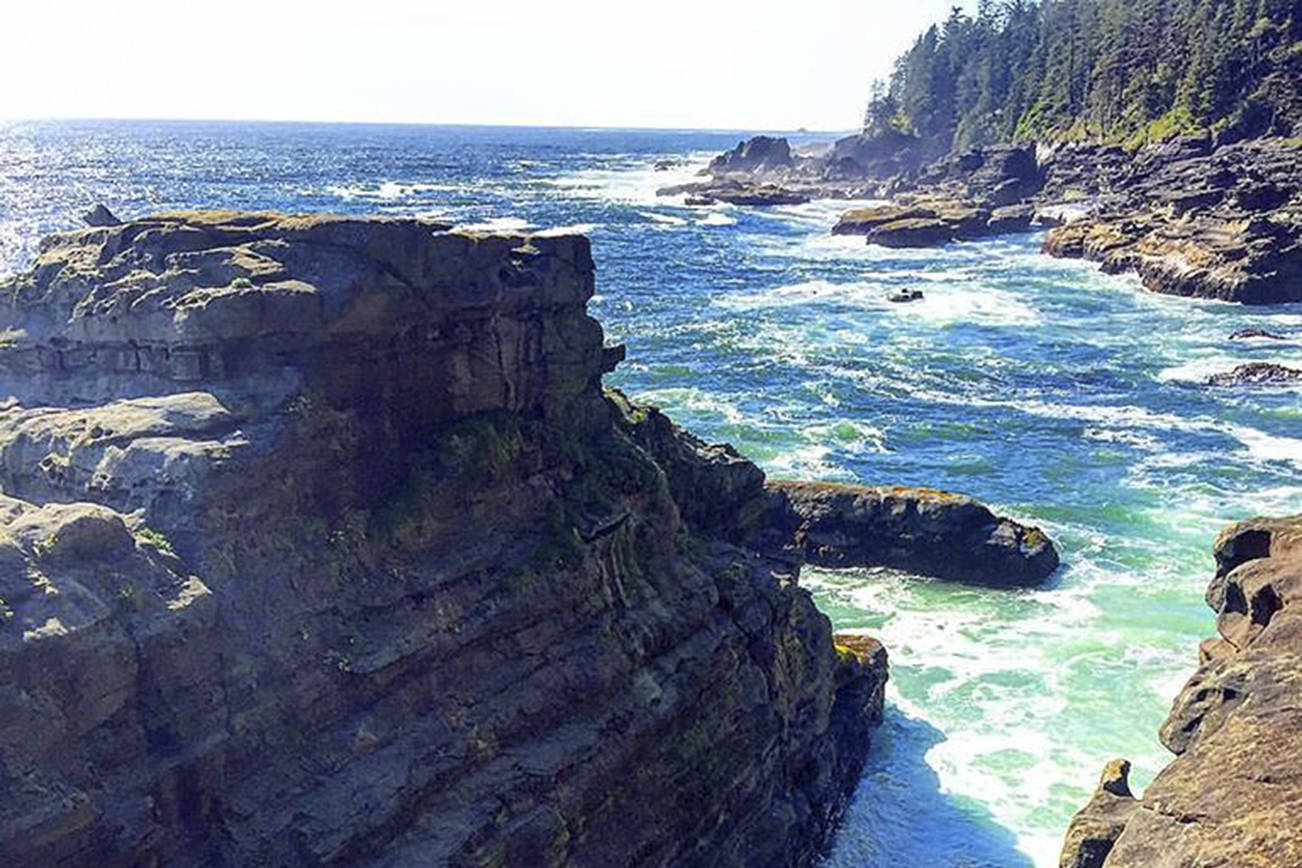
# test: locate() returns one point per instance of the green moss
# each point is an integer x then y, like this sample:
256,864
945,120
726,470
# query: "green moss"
151,537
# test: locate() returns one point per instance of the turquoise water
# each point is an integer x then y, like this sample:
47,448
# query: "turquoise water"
1055,393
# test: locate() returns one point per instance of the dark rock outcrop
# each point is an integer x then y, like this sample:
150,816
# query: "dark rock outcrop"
932,533
1233,794
1257,374
1222,224
1255,334
326,548
100,215
758,154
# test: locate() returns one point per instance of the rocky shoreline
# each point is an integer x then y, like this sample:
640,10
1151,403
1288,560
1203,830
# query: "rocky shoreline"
1231,795
1205,217
329,547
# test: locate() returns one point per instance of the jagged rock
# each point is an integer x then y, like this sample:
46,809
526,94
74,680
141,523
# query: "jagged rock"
1190,221
100,216
761,153
1095,828
1233,794
1256,374
323,545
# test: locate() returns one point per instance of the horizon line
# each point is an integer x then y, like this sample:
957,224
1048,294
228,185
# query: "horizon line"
459,124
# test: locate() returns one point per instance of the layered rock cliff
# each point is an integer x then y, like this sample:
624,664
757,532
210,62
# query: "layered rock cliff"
1233,794
326,547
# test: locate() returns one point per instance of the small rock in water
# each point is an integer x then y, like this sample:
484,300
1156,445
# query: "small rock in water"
1248,334
1256,374
100,216
903,296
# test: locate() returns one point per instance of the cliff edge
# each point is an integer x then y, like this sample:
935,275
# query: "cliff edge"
326,547
1233,794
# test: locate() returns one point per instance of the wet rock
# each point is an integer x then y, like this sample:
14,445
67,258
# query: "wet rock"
1095,828
1189,221
1254,334
762,195
1256,374
913,232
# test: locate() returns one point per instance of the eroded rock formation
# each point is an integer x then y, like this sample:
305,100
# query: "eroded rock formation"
324,546
1233,794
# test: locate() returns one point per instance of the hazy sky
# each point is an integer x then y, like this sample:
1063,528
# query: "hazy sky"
759,64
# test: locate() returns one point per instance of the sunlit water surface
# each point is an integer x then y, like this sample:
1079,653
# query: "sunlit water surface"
1062,396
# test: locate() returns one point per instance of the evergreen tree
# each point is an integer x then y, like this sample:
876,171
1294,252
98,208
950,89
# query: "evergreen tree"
1126,71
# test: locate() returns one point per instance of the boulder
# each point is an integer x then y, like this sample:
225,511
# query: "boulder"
913,232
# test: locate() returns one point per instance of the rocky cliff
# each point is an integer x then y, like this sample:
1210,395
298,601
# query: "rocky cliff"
1233,794
326,547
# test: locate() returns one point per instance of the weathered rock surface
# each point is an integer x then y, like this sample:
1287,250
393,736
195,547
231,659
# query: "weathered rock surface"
1095,828
1189,220
1233,795
325,547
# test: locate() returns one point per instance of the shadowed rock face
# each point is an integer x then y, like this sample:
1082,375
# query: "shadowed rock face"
1233,795
324,546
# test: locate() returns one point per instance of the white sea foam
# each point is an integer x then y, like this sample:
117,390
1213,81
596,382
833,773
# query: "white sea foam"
497,224
573,229
716,218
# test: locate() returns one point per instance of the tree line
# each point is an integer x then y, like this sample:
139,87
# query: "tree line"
1124,71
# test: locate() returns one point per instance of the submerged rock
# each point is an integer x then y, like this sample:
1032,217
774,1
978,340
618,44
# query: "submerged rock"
1253,334
1233,794
324,545
1256,374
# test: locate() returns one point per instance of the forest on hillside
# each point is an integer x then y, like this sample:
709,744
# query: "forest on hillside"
1126,71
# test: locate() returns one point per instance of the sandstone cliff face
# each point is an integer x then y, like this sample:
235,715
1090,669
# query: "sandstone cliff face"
323,545
1233,794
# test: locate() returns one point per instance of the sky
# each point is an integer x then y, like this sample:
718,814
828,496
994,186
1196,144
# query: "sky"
703,64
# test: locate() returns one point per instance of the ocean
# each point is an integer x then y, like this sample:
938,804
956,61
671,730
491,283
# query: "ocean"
1059,395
